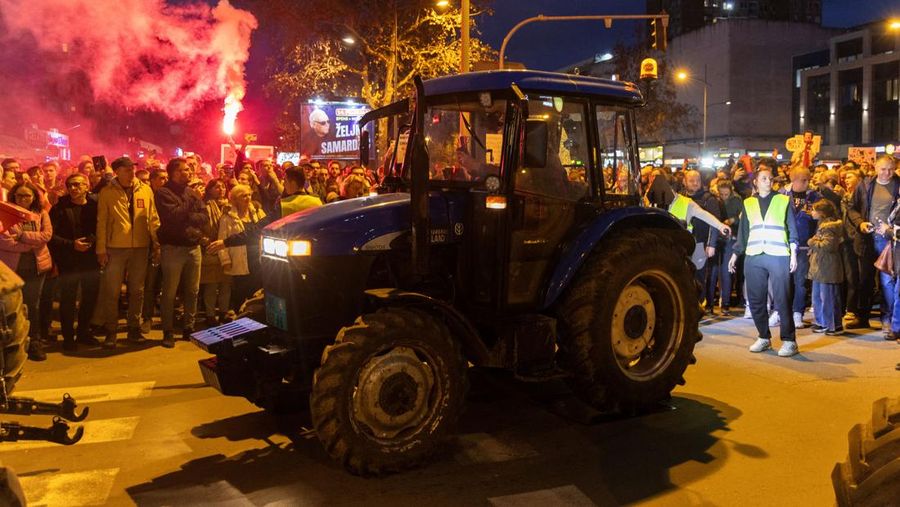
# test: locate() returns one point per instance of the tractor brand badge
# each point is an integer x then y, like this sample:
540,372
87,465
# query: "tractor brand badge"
458,228
439,235
139,203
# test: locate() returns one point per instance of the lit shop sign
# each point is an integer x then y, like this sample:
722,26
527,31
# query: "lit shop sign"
50,137
650,154
331,130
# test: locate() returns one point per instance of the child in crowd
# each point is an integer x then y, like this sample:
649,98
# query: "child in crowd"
826,268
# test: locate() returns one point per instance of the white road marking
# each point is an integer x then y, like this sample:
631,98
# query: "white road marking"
91,487
568,496
93,394
95,432
483,448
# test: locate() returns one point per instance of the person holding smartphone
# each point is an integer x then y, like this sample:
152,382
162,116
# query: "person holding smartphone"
74,220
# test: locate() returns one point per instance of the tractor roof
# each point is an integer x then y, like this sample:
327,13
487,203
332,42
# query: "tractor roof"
533,80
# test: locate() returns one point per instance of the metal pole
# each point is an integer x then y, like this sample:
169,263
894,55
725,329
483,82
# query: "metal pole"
705,108
464,36
540,17
705,111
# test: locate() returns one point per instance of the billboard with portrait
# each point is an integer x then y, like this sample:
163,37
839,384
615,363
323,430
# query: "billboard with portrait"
329,130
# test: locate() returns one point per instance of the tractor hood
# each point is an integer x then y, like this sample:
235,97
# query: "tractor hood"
366,223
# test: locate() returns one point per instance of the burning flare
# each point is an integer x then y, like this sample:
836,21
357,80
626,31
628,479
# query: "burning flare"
232,107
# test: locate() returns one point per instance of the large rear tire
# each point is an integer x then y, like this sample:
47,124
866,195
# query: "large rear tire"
13,330
629,322
871,475
389,391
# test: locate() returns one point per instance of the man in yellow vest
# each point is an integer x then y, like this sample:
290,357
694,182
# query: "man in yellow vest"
767,237
660,195
295,198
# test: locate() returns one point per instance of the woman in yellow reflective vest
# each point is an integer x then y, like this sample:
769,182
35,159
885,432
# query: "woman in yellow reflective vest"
767,237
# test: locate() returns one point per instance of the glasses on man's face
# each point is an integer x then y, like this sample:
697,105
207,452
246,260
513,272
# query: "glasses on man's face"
24,196
321,122
76,184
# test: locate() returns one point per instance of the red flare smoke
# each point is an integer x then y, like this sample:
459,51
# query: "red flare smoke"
144,54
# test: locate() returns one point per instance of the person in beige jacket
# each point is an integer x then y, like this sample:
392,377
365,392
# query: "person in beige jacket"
127,222
241,261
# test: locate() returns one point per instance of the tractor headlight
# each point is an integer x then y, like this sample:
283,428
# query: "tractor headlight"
281,249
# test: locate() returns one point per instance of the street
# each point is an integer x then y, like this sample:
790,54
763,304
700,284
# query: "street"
746,429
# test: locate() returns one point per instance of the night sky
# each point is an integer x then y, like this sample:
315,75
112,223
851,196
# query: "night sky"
550,46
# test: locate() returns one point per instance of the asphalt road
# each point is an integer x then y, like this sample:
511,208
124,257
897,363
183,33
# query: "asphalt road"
747,429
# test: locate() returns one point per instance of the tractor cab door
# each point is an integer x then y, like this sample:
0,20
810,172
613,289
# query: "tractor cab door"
549,186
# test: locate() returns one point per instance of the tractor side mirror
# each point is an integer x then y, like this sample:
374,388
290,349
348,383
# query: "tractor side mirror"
364,148
536,144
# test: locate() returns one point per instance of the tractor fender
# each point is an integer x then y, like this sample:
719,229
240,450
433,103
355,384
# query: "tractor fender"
474,349
576,251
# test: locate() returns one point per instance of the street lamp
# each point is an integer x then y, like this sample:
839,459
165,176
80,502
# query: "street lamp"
683,76
463,32
894,24
348,40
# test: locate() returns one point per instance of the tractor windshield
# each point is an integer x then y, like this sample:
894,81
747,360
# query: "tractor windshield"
464,139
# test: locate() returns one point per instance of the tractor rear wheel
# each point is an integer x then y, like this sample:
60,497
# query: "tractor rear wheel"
871,475
13,334
389,391
629,322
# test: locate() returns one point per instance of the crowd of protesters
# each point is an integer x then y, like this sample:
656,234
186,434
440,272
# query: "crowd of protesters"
832,226
182,238
175,234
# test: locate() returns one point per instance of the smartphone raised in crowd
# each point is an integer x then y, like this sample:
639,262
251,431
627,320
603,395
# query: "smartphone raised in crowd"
99,162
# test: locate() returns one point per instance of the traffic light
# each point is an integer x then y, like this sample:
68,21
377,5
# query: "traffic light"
658,34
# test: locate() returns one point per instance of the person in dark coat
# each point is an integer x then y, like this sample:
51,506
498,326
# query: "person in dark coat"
868,212
74,219
826,268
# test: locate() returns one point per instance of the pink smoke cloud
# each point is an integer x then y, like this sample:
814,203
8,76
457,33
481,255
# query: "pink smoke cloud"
143,54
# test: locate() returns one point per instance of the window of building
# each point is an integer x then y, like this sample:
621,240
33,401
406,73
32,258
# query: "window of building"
883,106
883,41
849,50
849,114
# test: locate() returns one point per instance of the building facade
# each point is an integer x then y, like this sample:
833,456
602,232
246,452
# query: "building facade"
849,93
689,15
747,67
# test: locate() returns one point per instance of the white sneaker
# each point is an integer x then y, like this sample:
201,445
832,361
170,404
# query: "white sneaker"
747,314
774,321
788,349
798,320
761,345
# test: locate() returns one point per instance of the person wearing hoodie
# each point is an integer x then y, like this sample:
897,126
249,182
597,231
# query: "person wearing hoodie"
127,223
183,219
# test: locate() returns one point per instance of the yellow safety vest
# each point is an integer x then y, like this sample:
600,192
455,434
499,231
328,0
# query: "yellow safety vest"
768,235
679,208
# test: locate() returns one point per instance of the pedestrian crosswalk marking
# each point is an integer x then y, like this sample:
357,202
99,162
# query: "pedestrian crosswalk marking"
570,496
484,448
76,489
95,432
85,395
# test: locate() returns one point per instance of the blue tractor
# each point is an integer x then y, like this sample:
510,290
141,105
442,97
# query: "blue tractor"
496,241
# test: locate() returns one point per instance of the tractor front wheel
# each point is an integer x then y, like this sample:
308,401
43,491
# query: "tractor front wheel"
389,391
629,322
